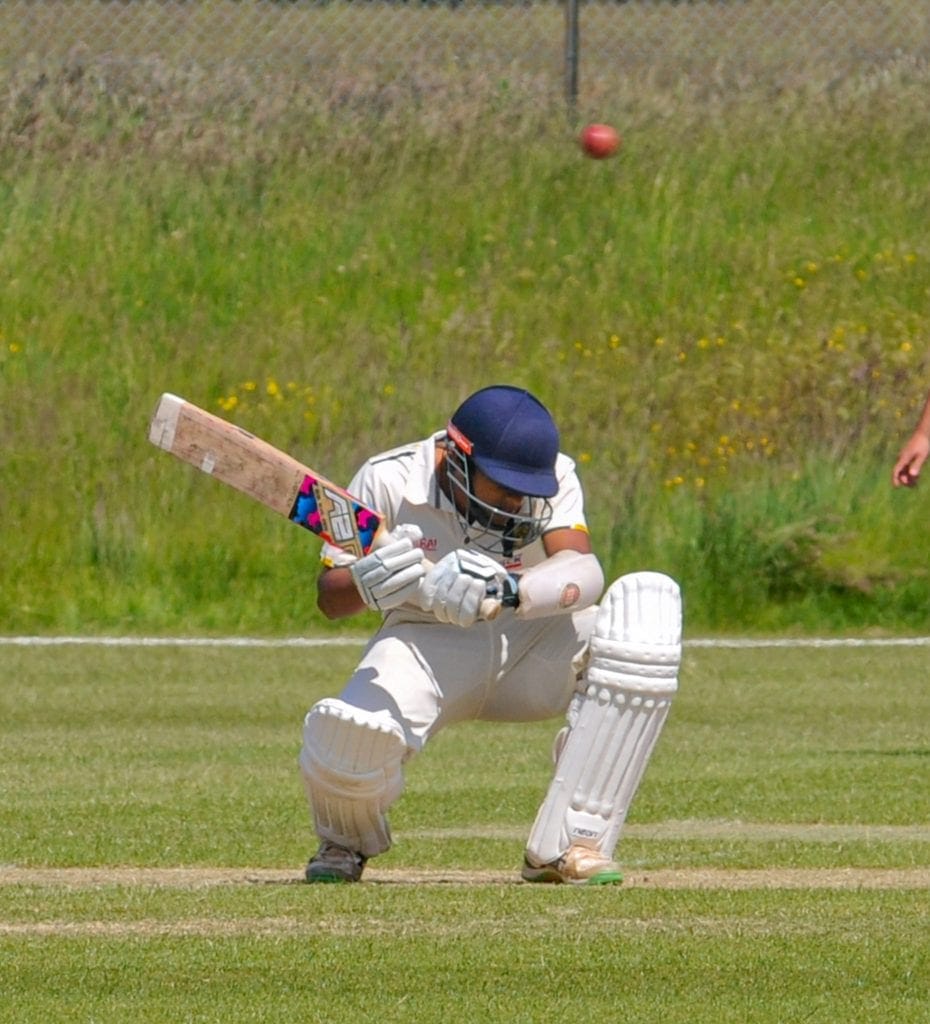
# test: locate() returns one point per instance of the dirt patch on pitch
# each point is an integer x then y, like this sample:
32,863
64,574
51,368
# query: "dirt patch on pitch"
683,878
666,831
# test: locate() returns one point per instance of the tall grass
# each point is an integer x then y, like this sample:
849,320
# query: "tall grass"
729,321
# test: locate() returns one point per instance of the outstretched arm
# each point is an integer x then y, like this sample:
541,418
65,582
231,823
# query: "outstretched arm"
914,453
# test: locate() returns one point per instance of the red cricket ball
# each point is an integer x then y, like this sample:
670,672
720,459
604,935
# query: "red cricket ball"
599,140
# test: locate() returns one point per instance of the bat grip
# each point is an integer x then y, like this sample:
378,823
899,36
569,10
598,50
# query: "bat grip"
490,607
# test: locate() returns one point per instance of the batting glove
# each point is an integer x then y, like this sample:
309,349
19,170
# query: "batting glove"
454,589
390,574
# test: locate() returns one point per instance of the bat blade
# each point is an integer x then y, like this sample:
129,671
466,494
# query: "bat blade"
277,480
266,474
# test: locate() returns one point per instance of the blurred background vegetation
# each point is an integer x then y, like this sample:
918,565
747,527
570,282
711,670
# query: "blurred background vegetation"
729,320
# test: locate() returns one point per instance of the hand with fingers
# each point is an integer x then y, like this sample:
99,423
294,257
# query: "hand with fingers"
464,587
912,457
915,452
390,574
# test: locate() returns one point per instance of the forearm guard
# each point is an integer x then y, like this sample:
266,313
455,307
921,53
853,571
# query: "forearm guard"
565,582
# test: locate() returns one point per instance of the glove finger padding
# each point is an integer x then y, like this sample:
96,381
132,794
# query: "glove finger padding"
390,575
454,589
458,600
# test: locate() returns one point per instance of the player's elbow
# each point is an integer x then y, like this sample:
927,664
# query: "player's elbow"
335,609
337,597
329,611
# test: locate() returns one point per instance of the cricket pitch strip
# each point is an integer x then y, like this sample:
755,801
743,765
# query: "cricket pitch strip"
666,878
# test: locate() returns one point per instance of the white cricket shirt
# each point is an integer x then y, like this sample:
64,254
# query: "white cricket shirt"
402,485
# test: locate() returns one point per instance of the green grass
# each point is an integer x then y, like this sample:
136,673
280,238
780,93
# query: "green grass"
156,756
773,760
511,955
727,320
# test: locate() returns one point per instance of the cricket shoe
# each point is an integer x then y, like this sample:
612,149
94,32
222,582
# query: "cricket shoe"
579,865
334,863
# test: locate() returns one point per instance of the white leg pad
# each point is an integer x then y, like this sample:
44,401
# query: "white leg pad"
350,763
632,675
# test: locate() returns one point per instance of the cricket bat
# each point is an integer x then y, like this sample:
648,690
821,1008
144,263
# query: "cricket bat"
256,468
263,472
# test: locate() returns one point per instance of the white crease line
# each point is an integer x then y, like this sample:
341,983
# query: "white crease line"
806,642
178,641
721,643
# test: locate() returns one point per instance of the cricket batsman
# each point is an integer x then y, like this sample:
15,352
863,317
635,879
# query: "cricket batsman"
489,508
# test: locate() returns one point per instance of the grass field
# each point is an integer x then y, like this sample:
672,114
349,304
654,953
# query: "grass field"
729,321
154,834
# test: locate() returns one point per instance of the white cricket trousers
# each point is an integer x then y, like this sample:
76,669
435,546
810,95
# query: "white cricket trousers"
428,674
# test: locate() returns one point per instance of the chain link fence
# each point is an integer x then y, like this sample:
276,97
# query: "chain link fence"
573,48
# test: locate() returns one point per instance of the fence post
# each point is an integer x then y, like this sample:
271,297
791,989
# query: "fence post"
571,55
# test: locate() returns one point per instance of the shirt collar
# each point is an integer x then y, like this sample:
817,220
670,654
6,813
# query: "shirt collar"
422,485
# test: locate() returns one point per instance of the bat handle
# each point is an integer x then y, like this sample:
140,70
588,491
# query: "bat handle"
490,606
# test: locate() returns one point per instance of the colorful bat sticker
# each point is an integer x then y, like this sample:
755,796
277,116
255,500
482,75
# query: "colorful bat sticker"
332,514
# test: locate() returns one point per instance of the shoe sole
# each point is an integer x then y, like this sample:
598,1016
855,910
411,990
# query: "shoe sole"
551,876
604,878
329,878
